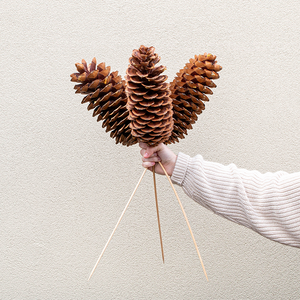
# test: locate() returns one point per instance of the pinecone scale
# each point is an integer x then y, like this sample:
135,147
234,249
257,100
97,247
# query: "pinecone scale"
189,91
106,97
149,103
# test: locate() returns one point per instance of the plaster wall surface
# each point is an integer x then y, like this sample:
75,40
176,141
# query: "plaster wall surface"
64,182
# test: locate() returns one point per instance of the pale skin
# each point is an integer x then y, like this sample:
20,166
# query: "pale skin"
161,153
152,155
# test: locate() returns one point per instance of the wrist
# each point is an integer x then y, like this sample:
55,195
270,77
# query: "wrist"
171,165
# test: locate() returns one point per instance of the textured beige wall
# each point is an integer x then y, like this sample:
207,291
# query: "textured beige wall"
64,183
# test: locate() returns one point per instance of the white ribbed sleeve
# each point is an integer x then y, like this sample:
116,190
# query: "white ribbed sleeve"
266,203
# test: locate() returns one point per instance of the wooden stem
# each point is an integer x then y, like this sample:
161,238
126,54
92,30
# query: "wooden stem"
186,219
158,219
117,224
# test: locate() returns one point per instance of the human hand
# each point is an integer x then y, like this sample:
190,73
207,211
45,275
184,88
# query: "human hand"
152,155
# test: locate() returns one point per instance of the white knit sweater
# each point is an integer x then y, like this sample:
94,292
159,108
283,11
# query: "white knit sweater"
266,203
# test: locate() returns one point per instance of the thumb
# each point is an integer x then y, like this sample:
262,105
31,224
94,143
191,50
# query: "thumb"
151,150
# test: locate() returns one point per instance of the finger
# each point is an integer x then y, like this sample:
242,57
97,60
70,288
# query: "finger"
148,164
143,145
153,155
146,150
151,159
143,151
149,154
151,150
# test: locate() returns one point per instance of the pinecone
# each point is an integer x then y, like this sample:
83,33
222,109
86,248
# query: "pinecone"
149,103
188,91
106,95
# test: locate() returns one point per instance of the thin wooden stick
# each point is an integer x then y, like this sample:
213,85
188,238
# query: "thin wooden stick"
186,219
117,224
158,220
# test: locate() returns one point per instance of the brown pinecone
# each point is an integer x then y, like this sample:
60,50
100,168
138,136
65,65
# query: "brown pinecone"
106,95
188,91
149,102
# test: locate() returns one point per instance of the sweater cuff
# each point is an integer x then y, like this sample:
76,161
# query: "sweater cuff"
180,169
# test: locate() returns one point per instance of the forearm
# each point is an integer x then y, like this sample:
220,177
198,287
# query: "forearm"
267,203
